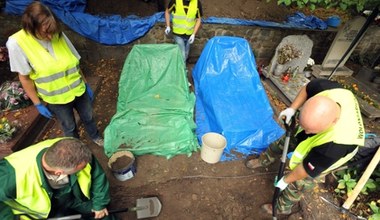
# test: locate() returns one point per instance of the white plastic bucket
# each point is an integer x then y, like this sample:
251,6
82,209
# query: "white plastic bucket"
213,145
122,165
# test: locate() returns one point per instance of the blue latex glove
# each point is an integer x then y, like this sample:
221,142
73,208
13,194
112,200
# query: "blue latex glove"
89,91
44,111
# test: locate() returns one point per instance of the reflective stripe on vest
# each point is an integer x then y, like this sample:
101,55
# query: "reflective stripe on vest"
57,79
184,23
350,117
31,197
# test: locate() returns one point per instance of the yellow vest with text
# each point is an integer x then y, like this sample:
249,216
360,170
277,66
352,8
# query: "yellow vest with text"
31,197
184,23
57,79
348,130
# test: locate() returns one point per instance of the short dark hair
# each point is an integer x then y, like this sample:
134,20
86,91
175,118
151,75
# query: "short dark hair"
67,154
36,15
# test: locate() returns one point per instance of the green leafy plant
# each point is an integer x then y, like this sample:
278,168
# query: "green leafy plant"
375,209
345,5
370,185
346,184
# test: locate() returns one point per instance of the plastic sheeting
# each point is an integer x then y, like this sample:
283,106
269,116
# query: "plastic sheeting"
109,30
154,108
230,98
117,30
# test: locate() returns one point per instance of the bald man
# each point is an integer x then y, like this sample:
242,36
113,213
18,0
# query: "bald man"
331,131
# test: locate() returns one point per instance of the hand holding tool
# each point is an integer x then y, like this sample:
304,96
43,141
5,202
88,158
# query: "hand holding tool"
288,113
167,30
145,208
280,175
281,184
191,39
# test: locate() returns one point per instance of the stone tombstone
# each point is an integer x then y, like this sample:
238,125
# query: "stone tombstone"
342,42
303,44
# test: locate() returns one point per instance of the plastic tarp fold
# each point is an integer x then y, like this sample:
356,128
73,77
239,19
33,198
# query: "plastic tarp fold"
230,98
117,30
154,108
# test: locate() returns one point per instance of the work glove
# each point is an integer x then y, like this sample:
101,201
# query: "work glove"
89,91
288,113
191,39
43,110
281,184
167,30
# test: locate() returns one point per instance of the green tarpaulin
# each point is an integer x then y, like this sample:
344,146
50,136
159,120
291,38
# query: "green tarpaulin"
155,108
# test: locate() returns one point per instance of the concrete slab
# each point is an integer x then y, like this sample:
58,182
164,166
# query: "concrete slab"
292,87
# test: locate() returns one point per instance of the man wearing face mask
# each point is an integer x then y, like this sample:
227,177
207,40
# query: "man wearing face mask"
187,16
56,177
331,131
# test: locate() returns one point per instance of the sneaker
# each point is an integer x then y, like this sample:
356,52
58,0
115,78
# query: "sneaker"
268,209
99,141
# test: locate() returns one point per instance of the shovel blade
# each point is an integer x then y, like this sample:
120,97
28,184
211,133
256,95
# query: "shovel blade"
148,207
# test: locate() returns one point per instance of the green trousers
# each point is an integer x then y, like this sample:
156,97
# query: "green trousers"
293,193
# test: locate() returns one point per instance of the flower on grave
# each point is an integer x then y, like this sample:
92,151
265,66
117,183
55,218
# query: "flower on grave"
13,96
287,53
310,64
7,130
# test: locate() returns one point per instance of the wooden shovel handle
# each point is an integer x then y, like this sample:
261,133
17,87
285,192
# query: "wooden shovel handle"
363,180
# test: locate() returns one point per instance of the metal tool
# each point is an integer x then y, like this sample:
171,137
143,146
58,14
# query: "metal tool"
280,174
145,208
359,186
342,210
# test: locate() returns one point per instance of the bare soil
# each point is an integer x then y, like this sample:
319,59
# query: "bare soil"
188,187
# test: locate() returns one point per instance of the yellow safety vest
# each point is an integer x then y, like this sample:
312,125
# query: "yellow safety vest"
31,197
57,79
184,23
348,130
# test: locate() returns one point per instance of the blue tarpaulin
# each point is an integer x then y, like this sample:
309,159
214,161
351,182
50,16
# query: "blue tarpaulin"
117,30
230,99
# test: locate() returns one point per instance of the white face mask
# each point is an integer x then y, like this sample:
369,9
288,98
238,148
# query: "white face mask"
61,177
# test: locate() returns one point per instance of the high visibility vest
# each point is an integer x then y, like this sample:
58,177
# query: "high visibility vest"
57,79
31,197
184,23
348,130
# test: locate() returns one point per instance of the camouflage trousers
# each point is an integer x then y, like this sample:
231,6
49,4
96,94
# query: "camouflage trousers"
293,193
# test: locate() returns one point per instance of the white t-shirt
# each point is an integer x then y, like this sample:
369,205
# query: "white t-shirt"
19,61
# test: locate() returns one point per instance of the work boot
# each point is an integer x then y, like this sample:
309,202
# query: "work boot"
263,160
268,209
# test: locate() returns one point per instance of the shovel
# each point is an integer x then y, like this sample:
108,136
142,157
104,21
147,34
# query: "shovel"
145,208
280,174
